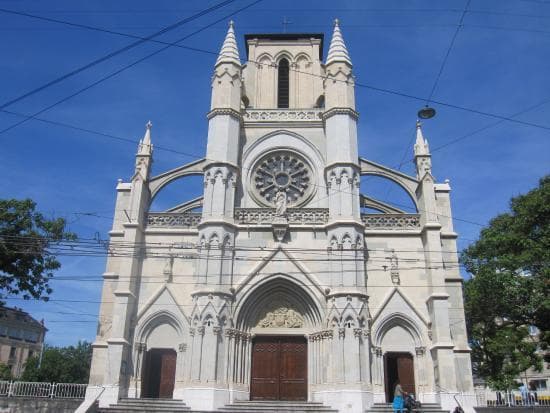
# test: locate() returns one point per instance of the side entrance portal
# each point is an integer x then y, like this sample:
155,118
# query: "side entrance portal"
159,374
398,366
279,368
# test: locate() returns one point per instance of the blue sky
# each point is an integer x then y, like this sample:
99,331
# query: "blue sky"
499,64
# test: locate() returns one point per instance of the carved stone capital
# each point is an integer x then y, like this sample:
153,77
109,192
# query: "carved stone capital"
341,332
182,347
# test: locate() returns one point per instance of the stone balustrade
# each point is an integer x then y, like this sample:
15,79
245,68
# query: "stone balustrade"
259,216
391,221
174,219
295,216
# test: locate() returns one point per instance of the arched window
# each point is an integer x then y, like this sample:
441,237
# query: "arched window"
282,92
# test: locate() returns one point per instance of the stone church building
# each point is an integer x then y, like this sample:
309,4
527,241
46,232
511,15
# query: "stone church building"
280,283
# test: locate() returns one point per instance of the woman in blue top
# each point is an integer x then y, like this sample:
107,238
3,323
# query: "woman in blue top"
398,398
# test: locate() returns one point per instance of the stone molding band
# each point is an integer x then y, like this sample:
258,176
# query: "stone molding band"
224,111
340,111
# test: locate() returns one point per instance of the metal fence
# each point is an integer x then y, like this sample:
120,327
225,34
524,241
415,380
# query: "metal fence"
489,398
42,390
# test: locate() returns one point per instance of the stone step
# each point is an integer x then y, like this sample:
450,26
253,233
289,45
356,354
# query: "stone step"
388,407
276,407
147,405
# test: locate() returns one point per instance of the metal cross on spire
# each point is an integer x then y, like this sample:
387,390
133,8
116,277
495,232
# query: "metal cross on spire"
285,24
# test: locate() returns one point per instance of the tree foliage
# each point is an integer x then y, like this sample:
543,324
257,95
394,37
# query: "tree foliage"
5,372
509,292
60,364
26,264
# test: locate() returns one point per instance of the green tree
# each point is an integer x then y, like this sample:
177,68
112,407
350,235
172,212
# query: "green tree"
26,263
509,292
60,364
5,372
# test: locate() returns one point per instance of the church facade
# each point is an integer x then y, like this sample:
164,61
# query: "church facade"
277,284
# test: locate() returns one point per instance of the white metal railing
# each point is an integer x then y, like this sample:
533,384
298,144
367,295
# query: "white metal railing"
42,390
487,397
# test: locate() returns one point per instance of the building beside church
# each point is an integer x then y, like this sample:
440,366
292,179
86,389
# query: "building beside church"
21,337
278,283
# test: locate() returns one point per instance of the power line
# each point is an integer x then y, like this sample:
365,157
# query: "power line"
111,54
194,305
442,67
113,74
384,90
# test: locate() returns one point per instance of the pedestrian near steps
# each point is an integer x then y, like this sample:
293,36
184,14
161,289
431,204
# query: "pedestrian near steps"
398,394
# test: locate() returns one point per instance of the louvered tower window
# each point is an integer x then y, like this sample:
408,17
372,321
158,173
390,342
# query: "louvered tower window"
282,92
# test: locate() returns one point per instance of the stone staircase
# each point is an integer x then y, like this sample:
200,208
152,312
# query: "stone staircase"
147,405
276,407
388,407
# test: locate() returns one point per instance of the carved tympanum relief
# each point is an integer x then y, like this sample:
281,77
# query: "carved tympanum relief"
282,317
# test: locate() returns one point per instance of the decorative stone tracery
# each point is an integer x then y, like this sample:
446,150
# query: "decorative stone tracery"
282,172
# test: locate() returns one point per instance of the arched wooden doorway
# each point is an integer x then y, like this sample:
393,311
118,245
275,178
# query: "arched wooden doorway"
279,368
398,366
159,374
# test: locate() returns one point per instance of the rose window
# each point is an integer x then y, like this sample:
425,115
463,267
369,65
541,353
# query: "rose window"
282,171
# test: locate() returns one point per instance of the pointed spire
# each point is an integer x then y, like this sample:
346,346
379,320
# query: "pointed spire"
145,147
337,51
421,146
229,52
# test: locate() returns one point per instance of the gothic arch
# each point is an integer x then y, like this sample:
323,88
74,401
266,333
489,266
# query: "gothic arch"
397,320
277,290
283,54
302,56
155,320
264,57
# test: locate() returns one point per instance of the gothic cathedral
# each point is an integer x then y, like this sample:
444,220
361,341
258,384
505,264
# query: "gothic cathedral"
280,283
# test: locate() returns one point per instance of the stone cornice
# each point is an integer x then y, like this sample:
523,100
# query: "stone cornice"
224,111
340,111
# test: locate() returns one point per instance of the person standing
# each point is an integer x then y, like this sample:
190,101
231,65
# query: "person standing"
398,398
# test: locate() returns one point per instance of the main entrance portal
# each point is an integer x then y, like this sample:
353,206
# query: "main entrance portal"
398,366
279,368
159,373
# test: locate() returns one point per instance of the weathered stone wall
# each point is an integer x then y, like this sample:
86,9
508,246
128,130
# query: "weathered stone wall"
33,405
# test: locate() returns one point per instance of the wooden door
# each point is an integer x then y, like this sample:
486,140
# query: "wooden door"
167,374
398,366
159,373
264,381
405,372
279,368
293,369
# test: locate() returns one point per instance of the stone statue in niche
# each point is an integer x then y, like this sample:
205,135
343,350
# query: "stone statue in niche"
282,317
280,204
394,268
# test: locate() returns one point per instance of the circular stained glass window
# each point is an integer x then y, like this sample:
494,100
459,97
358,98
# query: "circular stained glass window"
282,171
